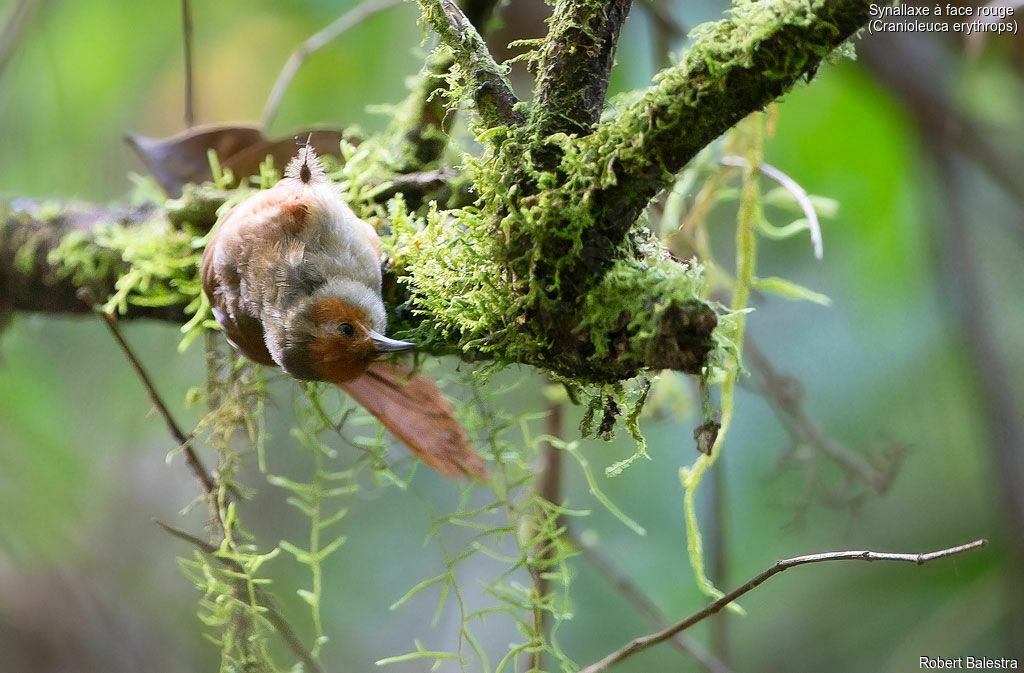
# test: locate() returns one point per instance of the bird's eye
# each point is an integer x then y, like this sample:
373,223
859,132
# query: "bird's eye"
346,329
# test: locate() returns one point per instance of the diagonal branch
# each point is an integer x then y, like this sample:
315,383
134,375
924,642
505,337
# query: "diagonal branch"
644,605
424,117
315,43
492,94
208,483
735,67
640,644
575,65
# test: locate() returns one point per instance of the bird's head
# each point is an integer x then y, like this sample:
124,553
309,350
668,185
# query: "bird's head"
334,335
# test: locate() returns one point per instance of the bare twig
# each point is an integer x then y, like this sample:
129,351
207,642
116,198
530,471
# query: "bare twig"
639,600
339,26
186,34
18,19
640,644
783,395
184,441
264,600
492,94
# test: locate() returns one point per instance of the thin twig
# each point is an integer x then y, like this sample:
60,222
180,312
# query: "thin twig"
18,19
315,43
186,35
640,644
779,391
184,441
278,621
639,600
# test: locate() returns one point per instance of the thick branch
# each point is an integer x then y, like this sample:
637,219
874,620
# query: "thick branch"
735,67
643,643
569,206
642,322
492,94
576,63
29,282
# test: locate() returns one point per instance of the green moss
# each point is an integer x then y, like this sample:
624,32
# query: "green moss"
637,293
157,265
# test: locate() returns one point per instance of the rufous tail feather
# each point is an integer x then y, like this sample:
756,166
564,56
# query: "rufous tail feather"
413,409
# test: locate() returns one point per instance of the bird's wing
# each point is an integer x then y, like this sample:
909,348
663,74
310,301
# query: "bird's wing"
413,409
248,228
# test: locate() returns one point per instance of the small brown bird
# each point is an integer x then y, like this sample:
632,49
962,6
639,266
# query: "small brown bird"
294,278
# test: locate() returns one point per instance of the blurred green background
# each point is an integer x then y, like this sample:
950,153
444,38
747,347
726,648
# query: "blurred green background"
921,348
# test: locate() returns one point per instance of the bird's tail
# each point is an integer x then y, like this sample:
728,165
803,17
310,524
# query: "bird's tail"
413,409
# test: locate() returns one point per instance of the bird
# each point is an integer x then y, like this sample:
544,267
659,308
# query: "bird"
293,277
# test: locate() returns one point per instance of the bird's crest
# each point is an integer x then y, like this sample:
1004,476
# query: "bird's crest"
305,166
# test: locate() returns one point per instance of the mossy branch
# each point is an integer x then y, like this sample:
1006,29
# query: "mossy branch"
641,317
29,281
492,94
575,65
424,121
735,67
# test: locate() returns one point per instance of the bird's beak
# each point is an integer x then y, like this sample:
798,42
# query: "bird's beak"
383,344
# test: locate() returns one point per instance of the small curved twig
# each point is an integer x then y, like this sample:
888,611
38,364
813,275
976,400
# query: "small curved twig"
798,193
639,600
342,24
640,644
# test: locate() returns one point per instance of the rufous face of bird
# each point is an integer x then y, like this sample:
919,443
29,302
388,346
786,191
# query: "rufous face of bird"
332,338
294,279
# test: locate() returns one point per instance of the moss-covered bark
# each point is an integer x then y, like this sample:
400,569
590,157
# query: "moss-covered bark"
575,64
